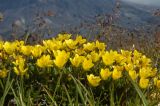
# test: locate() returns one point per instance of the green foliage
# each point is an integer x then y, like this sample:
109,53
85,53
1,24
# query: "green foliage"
56,73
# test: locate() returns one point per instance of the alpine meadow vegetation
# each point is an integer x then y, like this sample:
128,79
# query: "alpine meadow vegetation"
96,63
71,70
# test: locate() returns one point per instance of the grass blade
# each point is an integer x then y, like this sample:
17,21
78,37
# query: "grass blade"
145,103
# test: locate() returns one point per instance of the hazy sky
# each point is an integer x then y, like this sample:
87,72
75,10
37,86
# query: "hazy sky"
146,2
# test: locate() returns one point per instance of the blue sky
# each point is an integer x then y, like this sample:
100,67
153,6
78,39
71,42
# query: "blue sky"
146,2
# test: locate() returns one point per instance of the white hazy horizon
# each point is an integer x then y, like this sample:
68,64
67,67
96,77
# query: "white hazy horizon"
146,2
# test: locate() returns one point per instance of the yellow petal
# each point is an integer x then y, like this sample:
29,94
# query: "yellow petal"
105,73
93,80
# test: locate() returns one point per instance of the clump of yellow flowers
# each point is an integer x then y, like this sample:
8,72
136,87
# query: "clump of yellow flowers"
90,58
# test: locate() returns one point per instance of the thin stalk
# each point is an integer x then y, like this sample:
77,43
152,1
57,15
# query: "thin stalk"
79,90
57,85
49,95
6,89
68,96
2,86
145,103
15,97
112,94
90,100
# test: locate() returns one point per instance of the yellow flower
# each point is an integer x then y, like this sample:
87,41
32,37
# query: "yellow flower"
155,80
143,83
87,64
136,55
19,68
18,44
95,56
129,67
146,72
80,40
77,60
105,73
116,74
79,51
153,72
133,74
1,44
4,55
37,50
101,53
93,80
62,37
119,68
145,61
158,84
143,73
26,50
136,62
100,46
48,43
128,60
9,47
3,73
44,61
71,43
52,44
126,53
89,46
108,59
119,58
61,57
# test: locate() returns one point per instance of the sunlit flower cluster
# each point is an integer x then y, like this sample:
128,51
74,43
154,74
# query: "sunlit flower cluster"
90,58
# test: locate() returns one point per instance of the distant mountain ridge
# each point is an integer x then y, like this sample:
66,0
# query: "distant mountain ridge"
71,13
